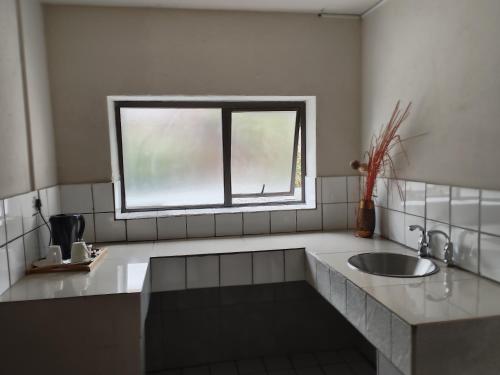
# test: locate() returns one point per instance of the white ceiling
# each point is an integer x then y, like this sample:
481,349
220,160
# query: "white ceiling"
305,6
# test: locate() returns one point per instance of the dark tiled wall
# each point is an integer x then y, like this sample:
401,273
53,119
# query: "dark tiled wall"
193,327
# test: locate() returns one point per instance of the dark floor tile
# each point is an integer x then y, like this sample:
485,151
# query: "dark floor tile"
282,372
363,368
309,371
338,369
351,356
328,358
199,370
304,361
223,368
277,363
250,366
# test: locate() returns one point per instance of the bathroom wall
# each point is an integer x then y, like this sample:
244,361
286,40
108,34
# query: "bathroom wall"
444,56
27,142
98,51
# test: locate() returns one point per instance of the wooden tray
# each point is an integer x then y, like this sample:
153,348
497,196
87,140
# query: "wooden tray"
71,267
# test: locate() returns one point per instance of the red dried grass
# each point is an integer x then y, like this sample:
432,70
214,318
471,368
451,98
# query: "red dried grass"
379,154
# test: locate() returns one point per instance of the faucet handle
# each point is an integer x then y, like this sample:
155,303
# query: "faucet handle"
416,226
423,250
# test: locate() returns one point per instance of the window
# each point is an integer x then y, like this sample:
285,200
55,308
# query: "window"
209,154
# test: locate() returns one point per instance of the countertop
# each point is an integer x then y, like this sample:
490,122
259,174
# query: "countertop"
451,294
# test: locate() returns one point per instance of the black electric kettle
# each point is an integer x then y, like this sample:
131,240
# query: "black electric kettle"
66,229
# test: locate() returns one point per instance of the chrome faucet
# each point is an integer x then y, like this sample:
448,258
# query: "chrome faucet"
423,243
448,248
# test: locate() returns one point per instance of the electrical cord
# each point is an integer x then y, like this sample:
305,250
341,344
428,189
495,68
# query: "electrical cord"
38,206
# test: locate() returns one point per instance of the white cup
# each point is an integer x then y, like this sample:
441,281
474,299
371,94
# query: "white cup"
79,252
54,254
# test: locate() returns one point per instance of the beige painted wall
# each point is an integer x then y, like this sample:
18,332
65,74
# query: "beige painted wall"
26,163
14,159
38,95
96,51
444,56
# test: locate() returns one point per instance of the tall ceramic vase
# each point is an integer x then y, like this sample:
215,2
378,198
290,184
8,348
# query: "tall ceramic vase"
365,221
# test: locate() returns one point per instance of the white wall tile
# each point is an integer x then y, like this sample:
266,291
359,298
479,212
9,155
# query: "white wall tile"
335,216
171,227
17,262
380,192
283,221
103,197
334,189
229,224
76,199
353,189
396,226
89,232
415,198
141,230
437,241
31,248
396,195
378,325
236,269
319,191
465,248
202,271
490,212
438,203
355,306
44,199
268,267
54,200
490,257
352,215
4,270
13,217
43,240
3,231
411,238
200,226
29,211
465,208
107,229
256,222
168,274
309,220
338,291
294,265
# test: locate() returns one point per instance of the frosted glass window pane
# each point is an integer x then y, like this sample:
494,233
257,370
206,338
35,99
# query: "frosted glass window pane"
172,156
262,151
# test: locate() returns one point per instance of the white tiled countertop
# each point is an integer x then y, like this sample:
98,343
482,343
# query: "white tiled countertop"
450,294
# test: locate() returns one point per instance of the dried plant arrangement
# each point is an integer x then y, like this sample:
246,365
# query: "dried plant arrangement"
379,159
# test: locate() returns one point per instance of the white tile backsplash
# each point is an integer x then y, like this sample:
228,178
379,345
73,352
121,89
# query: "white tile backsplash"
103,197
283,221
334,189
229,224
4,270
396,226
437,241
438,203
107,229
335,216
3,232
465,208
201,226
294,265
352,215
168,274
396,195
309,220
13,217
29,211
353,188
31,248
380,192
54,200
268,267
76,199
256,222
236,269
173,227
490,212
490,257
415,198
17,261
202,271
141,230
89,232
465,248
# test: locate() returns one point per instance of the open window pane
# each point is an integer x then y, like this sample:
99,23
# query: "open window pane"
262,152
172,156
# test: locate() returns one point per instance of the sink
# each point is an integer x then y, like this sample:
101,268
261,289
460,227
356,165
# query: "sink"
393,265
